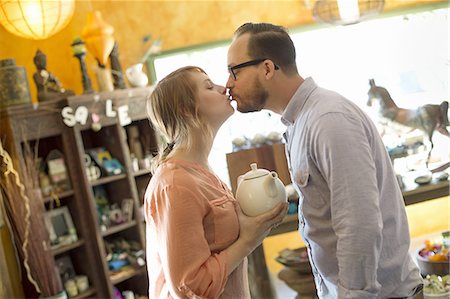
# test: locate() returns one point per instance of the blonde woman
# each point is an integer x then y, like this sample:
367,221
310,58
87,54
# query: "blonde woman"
197,236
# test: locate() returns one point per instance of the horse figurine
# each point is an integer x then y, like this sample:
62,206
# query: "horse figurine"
427,118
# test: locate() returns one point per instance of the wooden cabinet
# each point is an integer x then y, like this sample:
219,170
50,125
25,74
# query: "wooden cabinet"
97,238
270,157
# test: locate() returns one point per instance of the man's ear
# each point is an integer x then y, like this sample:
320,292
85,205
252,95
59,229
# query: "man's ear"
269,68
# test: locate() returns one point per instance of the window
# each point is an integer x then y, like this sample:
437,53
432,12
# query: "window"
407,54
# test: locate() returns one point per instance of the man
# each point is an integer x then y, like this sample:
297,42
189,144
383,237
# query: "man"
351,212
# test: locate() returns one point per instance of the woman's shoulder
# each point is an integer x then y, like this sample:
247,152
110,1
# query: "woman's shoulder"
174,183
174,174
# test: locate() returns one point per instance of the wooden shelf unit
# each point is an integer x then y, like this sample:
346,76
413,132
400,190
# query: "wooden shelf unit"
45,126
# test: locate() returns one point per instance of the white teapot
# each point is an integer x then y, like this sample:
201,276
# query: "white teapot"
259,190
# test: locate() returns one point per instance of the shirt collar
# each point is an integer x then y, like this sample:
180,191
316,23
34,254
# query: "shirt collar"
297,101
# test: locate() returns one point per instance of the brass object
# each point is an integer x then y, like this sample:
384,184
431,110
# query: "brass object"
14,88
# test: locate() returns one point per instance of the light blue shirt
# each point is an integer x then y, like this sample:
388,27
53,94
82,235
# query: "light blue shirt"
351,211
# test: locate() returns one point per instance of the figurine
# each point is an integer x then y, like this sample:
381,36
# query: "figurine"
427,118
79,51
116,68
48,86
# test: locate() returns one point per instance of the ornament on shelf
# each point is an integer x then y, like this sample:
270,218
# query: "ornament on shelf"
48,86
99,40
96,125
134,142
116,68
79,51
98,36
136,75
14,88
104,79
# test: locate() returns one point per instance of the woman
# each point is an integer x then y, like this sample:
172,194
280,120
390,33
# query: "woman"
197,236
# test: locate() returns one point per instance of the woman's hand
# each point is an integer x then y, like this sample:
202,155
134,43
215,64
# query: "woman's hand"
253,230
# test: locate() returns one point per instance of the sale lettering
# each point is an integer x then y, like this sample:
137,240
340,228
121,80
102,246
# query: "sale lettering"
81,114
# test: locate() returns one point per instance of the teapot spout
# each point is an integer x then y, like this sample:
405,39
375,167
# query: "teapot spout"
270,184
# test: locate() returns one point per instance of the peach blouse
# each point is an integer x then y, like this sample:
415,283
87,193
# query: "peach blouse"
190,221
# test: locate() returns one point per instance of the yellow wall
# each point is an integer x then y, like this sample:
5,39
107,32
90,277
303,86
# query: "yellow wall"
424,218
177,23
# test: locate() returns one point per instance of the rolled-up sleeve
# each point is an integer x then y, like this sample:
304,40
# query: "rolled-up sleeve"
190,268
342,151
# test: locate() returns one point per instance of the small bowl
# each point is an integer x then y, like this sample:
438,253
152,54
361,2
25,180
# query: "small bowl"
296,260
428,267
436,296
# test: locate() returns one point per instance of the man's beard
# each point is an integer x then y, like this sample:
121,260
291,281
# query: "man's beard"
257,99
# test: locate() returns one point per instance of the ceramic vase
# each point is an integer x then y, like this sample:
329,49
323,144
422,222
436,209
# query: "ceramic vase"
136,76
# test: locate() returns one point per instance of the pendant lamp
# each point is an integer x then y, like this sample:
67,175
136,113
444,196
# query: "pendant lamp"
345,12
35,19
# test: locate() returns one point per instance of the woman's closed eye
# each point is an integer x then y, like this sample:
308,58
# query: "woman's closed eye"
209,84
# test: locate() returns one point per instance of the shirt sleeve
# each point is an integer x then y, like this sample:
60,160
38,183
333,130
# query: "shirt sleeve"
341,148
190,268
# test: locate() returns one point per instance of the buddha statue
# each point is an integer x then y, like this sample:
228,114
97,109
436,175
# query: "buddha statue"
48,86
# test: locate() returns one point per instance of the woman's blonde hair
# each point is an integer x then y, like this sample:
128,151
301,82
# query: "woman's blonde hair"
172,109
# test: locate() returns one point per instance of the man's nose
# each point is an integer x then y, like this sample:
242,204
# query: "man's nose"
230,82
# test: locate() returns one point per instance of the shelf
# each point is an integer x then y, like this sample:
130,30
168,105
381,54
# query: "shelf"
61,195
126,273
108,179
85,294
141,172
419,194
65,248
117,228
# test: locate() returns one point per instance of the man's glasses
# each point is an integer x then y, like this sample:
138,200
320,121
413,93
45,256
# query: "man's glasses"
231,69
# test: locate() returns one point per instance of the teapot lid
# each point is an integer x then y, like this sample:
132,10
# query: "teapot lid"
255,172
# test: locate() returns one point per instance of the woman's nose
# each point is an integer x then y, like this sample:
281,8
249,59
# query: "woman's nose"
222,89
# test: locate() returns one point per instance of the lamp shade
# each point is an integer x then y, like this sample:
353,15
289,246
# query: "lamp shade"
35,19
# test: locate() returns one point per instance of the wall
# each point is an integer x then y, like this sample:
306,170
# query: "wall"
177,23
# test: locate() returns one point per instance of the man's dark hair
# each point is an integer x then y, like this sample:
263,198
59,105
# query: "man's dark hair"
272,42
